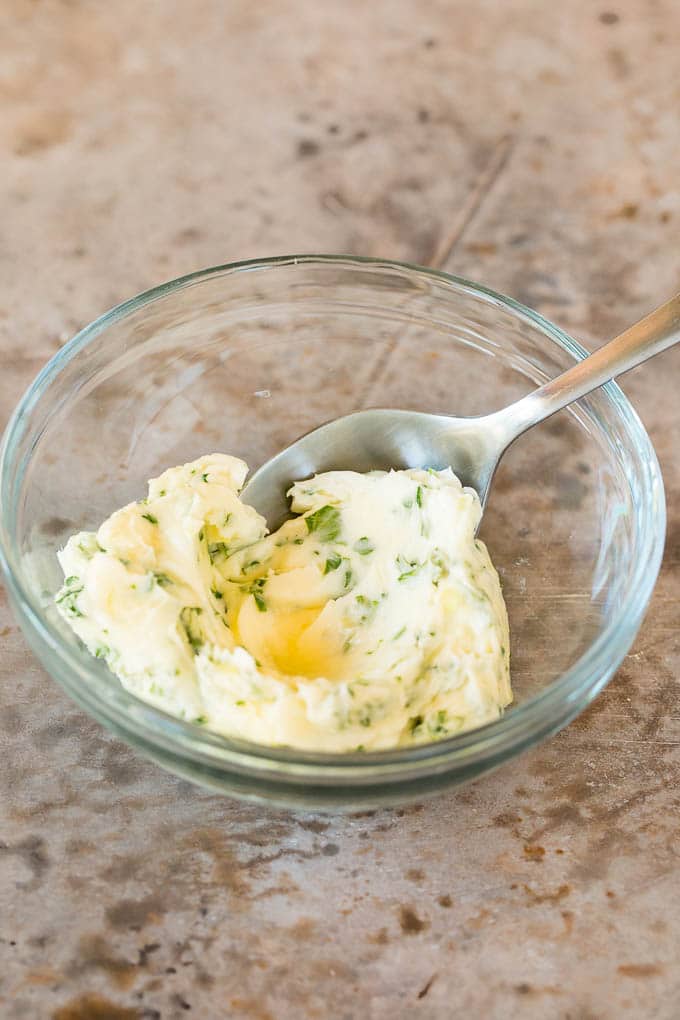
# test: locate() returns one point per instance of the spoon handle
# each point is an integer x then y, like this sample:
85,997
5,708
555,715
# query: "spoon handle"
651,335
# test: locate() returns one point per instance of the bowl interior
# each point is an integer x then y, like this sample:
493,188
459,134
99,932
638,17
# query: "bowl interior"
244,361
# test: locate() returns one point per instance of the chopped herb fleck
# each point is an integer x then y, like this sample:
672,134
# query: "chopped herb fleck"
406,568
255,589
348,578
414,722
332,563
240,702
364,546
298,541
150,518
399,633
162,579
201,720
217,594
217,549
188,621
438,724
367,608
325,522
419,495
204,476
89,546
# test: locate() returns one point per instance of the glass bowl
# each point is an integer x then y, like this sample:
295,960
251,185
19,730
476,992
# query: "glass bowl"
244,358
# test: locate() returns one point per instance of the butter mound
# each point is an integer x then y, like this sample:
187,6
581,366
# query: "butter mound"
373,619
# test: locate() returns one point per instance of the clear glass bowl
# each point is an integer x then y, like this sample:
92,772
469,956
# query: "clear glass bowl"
246,357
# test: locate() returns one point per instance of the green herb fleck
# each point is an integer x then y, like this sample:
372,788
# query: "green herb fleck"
419,496
89,546
367,608
204,476
399,633
364,546
201,720
414,722
217,549
332,563
256,590
298,541
150,518
348,578
188,621
325,522
406,568
217,594
240,702
438,724
162,579
162,493
101,652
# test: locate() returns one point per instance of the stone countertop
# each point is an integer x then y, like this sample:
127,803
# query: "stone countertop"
532,146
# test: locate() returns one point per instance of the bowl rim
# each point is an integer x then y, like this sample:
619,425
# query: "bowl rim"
542,713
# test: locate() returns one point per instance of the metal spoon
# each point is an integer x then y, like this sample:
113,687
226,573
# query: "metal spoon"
472,447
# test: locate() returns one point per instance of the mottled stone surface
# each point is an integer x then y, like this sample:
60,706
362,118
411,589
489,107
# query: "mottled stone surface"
529,145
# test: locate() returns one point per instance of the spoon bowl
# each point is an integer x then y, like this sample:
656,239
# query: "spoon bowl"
383,439
379,439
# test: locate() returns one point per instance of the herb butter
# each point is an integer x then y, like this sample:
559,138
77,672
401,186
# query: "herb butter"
372,619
